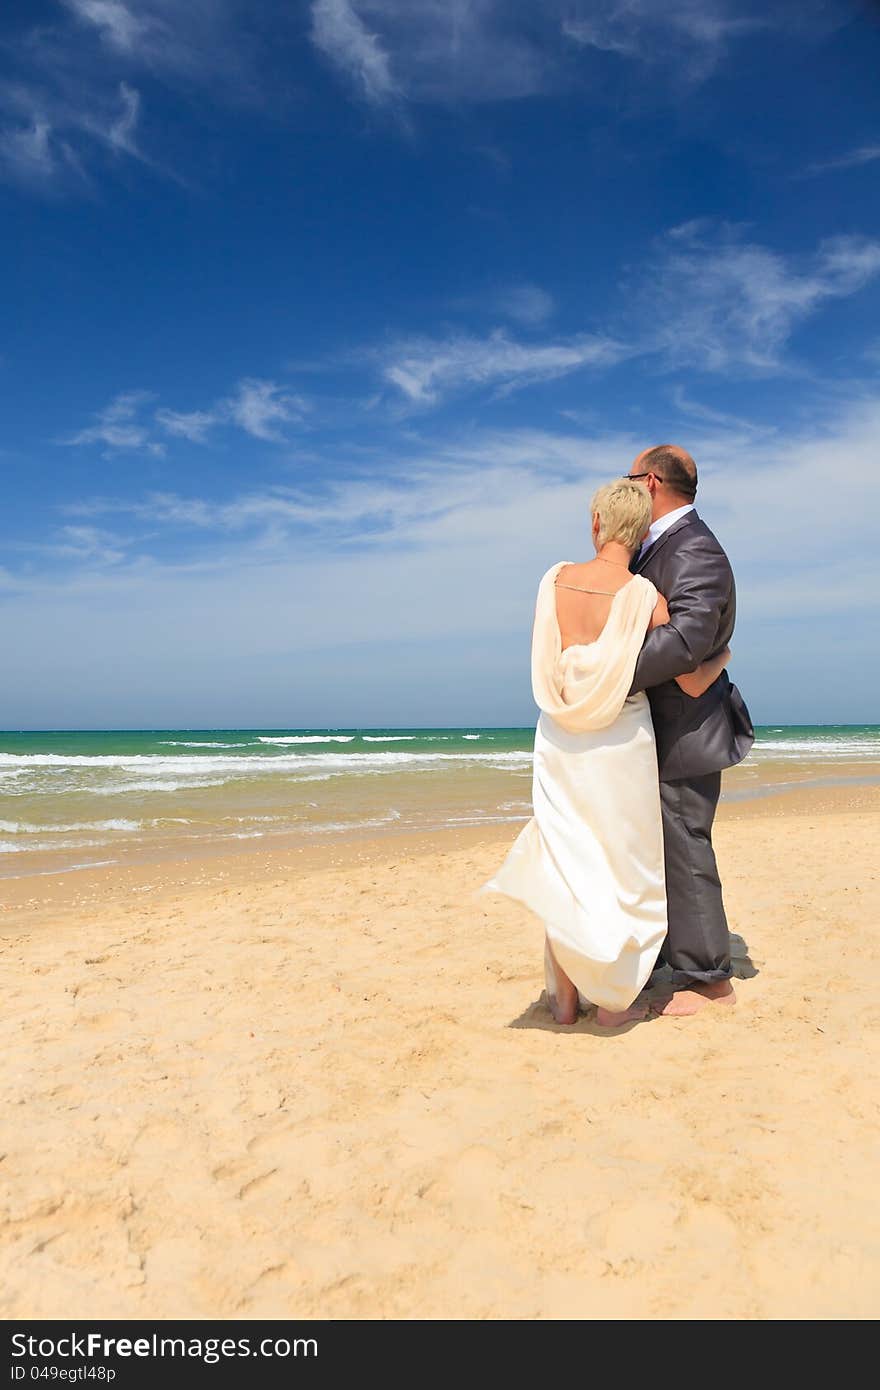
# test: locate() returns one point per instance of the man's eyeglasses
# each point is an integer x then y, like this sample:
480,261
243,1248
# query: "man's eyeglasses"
633,476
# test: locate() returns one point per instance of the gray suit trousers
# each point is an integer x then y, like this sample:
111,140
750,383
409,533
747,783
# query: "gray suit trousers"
697,945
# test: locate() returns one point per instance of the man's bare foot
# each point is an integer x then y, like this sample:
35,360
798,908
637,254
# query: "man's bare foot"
692,1000
606,1018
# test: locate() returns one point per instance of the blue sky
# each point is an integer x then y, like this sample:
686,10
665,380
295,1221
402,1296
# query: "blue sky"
323,320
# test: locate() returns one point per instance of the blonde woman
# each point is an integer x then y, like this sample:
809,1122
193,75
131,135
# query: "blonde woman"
590,861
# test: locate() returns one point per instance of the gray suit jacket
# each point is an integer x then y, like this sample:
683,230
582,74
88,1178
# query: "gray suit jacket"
694,737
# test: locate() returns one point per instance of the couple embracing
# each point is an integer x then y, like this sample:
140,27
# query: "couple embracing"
638,719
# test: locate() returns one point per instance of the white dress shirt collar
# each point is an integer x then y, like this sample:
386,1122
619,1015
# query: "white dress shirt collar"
659,527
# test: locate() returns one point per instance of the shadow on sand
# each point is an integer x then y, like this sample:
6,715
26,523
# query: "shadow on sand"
538,1014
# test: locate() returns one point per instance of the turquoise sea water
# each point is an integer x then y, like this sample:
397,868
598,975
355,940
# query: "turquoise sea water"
22,749
77,798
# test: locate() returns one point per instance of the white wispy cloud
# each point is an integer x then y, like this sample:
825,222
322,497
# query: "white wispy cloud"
424,369
120,133
46,140
524,303
341,35
201,40
82,68
118,427
262,408
449,492
863,154
464,511
345,508
715,301
708,300
73,89
419,494
74,548
698,31
120,27
474,50
719,418
90,544
192,424
28,153
495,50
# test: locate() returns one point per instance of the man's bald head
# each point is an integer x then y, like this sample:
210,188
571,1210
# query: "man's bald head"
672,466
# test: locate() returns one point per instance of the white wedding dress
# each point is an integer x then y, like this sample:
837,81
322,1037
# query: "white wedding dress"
590,861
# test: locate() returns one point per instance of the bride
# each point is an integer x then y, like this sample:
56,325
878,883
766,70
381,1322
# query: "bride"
590,861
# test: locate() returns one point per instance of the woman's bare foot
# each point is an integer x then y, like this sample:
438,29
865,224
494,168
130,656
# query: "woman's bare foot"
566,1013
606,1018
563,999
686,1002
564,1004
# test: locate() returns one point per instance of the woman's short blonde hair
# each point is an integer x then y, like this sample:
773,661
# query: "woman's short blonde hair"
624,510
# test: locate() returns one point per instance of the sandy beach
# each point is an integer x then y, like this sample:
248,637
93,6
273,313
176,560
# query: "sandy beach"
322,1082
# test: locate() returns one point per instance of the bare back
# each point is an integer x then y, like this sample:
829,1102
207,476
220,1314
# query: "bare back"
584,594
582,615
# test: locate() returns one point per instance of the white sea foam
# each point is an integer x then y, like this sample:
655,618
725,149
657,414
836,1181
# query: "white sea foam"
171,765
335,826
471,735
186,743
310,738
243,820
831,748
68,868
481,818
122,788
405,758
15,827
31,846
389,738
375,764
148,765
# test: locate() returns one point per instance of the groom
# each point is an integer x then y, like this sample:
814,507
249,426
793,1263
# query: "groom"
696,738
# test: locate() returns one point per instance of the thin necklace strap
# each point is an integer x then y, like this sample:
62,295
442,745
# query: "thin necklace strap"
608,593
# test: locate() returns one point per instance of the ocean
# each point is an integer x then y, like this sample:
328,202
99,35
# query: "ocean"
80,799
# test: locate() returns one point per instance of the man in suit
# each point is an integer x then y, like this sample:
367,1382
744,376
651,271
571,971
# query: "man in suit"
696,738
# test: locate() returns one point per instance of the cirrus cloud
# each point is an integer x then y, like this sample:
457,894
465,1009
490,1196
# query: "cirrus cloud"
424,369
718,301
262,408
118,427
